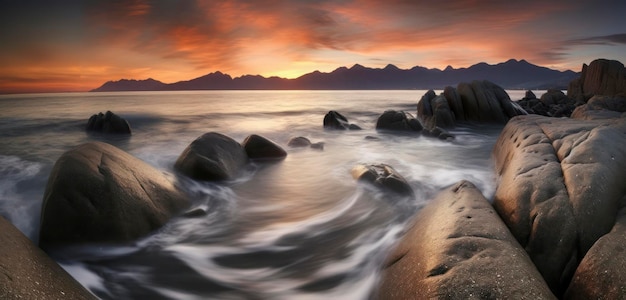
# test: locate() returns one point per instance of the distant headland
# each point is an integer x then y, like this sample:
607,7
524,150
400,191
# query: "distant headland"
512,74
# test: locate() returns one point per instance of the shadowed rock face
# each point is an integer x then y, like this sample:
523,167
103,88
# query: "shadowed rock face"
458,248
602,273
99,193
258,147
601,77
561,183
212,156
26,272
335,120
478,101
398,121
108,123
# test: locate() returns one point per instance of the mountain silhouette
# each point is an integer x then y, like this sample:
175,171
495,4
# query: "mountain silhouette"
512,74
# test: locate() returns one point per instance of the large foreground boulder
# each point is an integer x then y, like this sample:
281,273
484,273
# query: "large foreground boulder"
458,248
602,273
258,147
561,184
602,77
26,272
398,121
99,193
212,157
478,101
108,123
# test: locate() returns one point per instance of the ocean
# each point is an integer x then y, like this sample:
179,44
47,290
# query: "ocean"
300,228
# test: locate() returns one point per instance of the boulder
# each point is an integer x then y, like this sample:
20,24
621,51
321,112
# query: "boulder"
458,248
601,77
384,177
212,157
560,187
99,193
26,272
398,121
258,147
601,107
335,120
108,123
478,101
529,95
602,272
298,142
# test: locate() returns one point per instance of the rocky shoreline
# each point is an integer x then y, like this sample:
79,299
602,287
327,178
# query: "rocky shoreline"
555,227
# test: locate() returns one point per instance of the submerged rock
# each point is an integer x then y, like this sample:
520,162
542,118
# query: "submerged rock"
458,248
383,176
398,121
335,120
212,157
299,141
561,184
28,273
258,147
108,123
99,193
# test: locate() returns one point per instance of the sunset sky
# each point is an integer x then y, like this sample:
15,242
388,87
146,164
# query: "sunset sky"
80,44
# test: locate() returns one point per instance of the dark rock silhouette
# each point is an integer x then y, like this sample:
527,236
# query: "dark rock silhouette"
384,177
212,157
478,101
258,147
512,74
601,77
99,193
398,121
458,248
335,120
108,123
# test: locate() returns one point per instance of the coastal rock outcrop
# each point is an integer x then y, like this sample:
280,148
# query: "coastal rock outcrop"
458,248
478,101
560,187
335,120
382,176
601,107
398,121
258,147
212,157
26,272
601,77
553,103
99,193
108,123
602,273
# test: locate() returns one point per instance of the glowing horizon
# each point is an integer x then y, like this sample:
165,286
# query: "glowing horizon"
79,45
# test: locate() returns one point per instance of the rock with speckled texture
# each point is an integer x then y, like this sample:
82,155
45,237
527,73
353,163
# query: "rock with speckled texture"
602,273
561,184
458,248
26,272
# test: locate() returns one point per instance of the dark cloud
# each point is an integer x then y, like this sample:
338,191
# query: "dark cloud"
612,39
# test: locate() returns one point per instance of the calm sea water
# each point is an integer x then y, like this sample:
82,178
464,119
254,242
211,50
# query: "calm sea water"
300,228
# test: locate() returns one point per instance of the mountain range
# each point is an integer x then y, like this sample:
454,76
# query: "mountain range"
512,74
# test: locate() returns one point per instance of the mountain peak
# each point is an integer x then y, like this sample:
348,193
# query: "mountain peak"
357,67
391,67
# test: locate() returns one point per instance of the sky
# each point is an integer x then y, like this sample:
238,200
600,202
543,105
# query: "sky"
77,45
